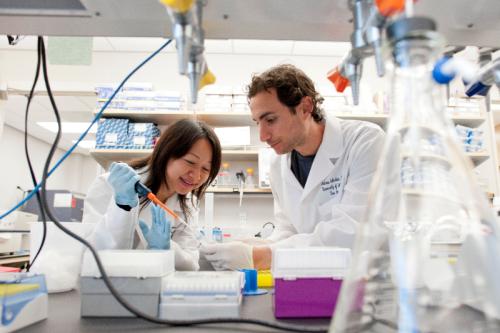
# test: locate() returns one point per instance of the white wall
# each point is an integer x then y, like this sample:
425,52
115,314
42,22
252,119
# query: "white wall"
2,110
107,67
256,208
2,118
74,174
162,71
17,68
230,69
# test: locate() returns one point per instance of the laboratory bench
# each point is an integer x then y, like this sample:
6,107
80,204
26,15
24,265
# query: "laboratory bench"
64,316
14,259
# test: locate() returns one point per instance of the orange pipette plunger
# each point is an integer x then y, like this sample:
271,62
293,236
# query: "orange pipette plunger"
143,191
157,201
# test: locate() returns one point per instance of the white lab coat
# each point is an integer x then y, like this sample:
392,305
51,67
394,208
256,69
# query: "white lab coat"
326,212
115,227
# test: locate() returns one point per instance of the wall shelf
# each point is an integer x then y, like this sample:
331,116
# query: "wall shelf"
430,157
106,156
478,158
381,119
226,118
377,118
234,190
241,155
245,118
167,117
429,195
468,120
458,116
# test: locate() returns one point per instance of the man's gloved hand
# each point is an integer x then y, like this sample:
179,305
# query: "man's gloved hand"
122,179
228,256
158,236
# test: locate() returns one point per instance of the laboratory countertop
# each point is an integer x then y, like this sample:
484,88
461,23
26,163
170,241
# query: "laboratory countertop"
64,316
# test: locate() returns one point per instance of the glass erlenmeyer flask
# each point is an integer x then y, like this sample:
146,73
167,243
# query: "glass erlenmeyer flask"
425,259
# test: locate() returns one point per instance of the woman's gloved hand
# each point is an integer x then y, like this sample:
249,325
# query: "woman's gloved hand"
122,179
158,236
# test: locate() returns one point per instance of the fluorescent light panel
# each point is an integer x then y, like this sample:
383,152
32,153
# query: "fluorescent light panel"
233,136
87,144
254,46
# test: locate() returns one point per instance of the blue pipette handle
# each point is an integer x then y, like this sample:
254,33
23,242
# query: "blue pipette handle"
141,189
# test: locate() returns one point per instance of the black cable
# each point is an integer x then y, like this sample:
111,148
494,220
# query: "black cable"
13,40
26,151
259,234
104,276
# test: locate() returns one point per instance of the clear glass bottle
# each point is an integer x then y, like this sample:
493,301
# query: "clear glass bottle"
249,181
424,256
224,177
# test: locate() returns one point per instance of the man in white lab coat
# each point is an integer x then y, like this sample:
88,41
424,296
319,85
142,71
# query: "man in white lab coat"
321,176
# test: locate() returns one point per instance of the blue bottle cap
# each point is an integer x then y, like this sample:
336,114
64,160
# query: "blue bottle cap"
437,71
250,288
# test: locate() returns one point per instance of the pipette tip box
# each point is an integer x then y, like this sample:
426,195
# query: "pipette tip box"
23,300
135,274
307,281
201,295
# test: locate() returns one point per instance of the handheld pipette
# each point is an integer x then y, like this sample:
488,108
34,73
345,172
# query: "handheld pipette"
143,191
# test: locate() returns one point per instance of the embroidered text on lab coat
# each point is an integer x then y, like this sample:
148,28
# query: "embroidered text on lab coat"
331,185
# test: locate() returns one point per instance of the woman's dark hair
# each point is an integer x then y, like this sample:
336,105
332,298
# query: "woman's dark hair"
174,143
291,86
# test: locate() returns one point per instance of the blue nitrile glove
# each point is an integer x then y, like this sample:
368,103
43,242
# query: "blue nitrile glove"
122,179
158,236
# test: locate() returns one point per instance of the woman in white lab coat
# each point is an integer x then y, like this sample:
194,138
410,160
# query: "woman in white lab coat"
184,162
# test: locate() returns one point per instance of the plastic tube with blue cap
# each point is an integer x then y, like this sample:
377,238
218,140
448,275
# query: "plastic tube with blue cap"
478,80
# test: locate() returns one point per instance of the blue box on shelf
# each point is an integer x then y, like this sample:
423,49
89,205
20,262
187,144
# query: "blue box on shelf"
104,91
112,133
142,135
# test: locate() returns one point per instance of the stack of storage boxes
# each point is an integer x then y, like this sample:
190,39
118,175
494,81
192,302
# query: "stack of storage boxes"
201,295
307,281
167,100
136,274
116,133
218,103
472,138
240,104
138,97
